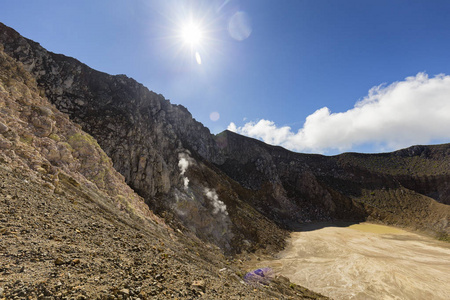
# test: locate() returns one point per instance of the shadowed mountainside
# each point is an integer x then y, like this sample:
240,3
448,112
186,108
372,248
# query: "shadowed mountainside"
70,227
147,137
232,190
409,187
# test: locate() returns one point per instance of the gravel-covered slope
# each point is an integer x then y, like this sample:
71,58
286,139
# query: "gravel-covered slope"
70,228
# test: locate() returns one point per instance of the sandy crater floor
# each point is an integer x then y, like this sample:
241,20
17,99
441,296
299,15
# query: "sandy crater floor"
366,261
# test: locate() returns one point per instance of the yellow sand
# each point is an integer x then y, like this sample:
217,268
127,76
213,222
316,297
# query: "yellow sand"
366,261
375,228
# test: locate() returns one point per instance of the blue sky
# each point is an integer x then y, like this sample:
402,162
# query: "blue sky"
293,73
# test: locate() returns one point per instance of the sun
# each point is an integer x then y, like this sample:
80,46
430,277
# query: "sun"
192,34
192,37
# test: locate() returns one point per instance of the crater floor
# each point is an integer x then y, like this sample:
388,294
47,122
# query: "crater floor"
366,261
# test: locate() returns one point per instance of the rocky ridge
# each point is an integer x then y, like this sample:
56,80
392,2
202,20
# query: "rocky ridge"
408,188
228,190
147,138
238,187
70,228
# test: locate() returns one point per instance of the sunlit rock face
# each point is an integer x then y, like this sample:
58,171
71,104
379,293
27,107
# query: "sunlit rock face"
42,144
144,135
64,205
136,127
262,188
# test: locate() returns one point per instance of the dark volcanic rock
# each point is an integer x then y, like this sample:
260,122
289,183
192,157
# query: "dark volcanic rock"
218,187
395,188
146,137
70,228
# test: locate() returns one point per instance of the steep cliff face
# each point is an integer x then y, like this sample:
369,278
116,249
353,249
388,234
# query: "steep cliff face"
43,144
131,123
286,185
230,189
408,187
162,152
70,227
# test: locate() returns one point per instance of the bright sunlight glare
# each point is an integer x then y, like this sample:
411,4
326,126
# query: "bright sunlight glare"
192,34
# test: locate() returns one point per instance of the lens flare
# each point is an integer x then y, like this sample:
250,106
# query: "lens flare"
239,26
214,116
198,58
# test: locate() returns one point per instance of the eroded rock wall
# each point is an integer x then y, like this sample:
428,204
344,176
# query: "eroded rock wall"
164,154
146,137
408,187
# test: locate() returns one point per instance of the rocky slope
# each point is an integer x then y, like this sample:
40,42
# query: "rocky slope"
232,190
163,153
408,188
70,227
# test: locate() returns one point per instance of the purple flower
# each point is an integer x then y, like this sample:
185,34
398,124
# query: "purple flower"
262,276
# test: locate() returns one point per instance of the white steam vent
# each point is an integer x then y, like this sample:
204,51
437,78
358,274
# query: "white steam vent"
183,164
218,206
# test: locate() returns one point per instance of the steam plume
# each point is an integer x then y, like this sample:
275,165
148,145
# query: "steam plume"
183,164
219,206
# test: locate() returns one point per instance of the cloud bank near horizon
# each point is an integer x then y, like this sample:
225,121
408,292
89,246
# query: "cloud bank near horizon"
413,111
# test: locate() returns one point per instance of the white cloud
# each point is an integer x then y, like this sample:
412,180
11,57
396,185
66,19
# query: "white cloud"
232,127
413,111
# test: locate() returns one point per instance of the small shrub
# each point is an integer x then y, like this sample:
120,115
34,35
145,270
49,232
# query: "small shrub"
54,137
